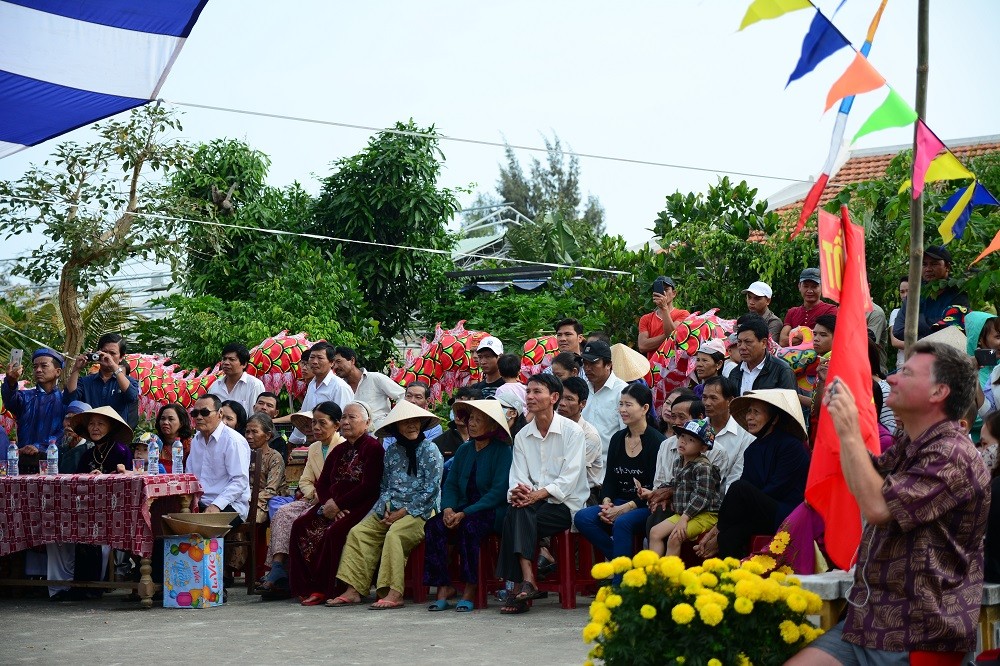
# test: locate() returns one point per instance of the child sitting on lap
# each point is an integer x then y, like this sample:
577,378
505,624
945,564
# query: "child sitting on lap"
697,487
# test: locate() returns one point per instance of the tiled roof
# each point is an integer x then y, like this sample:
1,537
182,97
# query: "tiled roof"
871,164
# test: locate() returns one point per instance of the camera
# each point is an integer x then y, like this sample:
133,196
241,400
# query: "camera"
93,357
986,358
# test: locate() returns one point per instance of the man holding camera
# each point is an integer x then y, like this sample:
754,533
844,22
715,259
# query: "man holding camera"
111,386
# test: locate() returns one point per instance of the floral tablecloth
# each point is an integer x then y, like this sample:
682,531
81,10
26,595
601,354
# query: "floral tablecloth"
106,509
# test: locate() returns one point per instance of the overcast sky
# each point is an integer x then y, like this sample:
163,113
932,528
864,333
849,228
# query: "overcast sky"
669,81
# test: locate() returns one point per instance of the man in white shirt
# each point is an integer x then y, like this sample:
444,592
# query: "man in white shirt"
220,458
548,485
605,391
372,388
236,383
729,436
574,398
326,385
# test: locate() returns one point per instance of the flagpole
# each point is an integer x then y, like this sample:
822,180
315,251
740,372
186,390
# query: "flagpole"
917,204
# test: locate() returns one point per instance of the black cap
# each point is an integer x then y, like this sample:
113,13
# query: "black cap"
661,282
938,252
810,274
596,350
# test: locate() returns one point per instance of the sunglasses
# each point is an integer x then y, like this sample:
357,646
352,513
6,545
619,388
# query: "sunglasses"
205,411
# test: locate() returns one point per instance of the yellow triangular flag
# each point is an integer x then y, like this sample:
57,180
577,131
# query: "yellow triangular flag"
760,10
943,167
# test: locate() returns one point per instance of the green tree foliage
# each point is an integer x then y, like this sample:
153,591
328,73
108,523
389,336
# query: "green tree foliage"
85,200
386,196
325,303
36,315
550,195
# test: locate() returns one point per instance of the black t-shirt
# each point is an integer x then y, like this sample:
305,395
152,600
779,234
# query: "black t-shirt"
489,389
621,469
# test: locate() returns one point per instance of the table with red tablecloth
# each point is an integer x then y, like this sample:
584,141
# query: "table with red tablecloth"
105,509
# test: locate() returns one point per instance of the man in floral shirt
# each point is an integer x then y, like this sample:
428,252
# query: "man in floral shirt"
919,575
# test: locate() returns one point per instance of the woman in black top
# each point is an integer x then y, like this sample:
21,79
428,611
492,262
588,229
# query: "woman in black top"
631,464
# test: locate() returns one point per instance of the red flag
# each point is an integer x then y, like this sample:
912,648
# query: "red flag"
826,488
812,200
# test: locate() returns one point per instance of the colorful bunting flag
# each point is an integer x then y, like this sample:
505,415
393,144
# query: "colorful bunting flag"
943,167
860,77
822,40
960,205
990,249
826,488
760,10
893,112
839,127
927,147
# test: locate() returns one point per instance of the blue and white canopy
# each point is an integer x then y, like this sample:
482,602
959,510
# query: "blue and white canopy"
68,63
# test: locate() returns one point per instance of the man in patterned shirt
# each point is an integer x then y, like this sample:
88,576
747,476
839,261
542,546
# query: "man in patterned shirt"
919,575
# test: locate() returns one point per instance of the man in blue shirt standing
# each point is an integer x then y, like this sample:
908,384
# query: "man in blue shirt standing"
111,386
39,411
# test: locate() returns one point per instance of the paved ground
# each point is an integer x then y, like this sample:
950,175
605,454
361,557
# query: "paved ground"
246,631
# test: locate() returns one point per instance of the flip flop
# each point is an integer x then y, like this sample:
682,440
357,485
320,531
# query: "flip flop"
340,602
464,606
439,605
382,604
314,599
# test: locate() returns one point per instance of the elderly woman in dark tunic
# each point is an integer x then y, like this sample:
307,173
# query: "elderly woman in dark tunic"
473,501
345,492
775,467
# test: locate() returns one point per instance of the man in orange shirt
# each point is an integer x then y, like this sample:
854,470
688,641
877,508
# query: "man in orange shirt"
656,326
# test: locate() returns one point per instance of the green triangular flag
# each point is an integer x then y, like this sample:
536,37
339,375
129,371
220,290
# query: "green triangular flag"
894,112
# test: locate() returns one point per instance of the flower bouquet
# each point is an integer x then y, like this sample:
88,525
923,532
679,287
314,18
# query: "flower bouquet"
720,613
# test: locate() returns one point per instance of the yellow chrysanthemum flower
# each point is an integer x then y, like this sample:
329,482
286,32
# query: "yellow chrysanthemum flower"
602,593
711,614
613,601
715,565
592,631
621,564
634,578
602,570
682,613
793,580
597,652
753,567
647,612
813,603
644,558
777,576
714,662
600,614
797,602
749,589
588,663
680,660
671,566
770,591
708,579
808,632
764,561
743,606
689,579
743,660
789,631
732,562
696,570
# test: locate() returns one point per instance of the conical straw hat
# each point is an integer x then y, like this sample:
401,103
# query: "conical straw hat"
120,430
628,364
492,409
786,400
406,410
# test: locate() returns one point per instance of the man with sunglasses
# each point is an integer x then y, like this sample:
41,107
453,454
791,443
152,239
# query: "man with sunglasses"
220,458
935,305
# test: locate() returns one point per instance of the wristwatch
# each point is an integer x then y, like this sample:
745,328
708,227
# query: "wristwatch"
116,373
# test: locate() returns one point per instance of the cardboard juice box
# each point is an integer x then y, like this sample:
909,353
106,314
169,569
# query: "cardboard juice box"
192,571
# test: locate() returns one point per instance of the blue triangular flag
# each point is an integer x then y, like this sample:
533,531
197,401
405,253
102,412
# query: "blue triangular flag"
980,197
822,40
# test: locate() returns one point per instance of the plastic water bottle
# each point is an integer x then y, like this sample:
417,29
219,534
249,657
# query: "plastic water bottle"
12,458
177,454
153,458
52,455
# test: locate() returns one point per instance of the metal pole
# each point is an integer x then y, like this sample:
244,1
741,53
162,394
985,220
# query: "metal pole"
917,205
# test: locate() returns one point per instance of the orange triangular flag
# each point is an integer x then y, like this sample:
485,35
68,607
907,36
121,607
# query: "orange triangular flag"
859,78
991,248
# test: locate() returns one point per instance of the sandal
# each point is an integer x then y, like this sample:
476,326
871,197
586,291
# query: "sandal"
528,593
314,599
464,606
341,601
382,604
514,608
439,605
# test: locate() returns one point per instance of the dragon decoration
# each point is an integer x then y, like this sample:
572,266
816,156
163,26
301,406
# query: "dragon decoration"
445,362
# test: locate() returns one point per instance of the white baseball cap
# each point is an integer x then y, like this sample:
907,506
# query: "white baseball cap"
491,343
759,289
